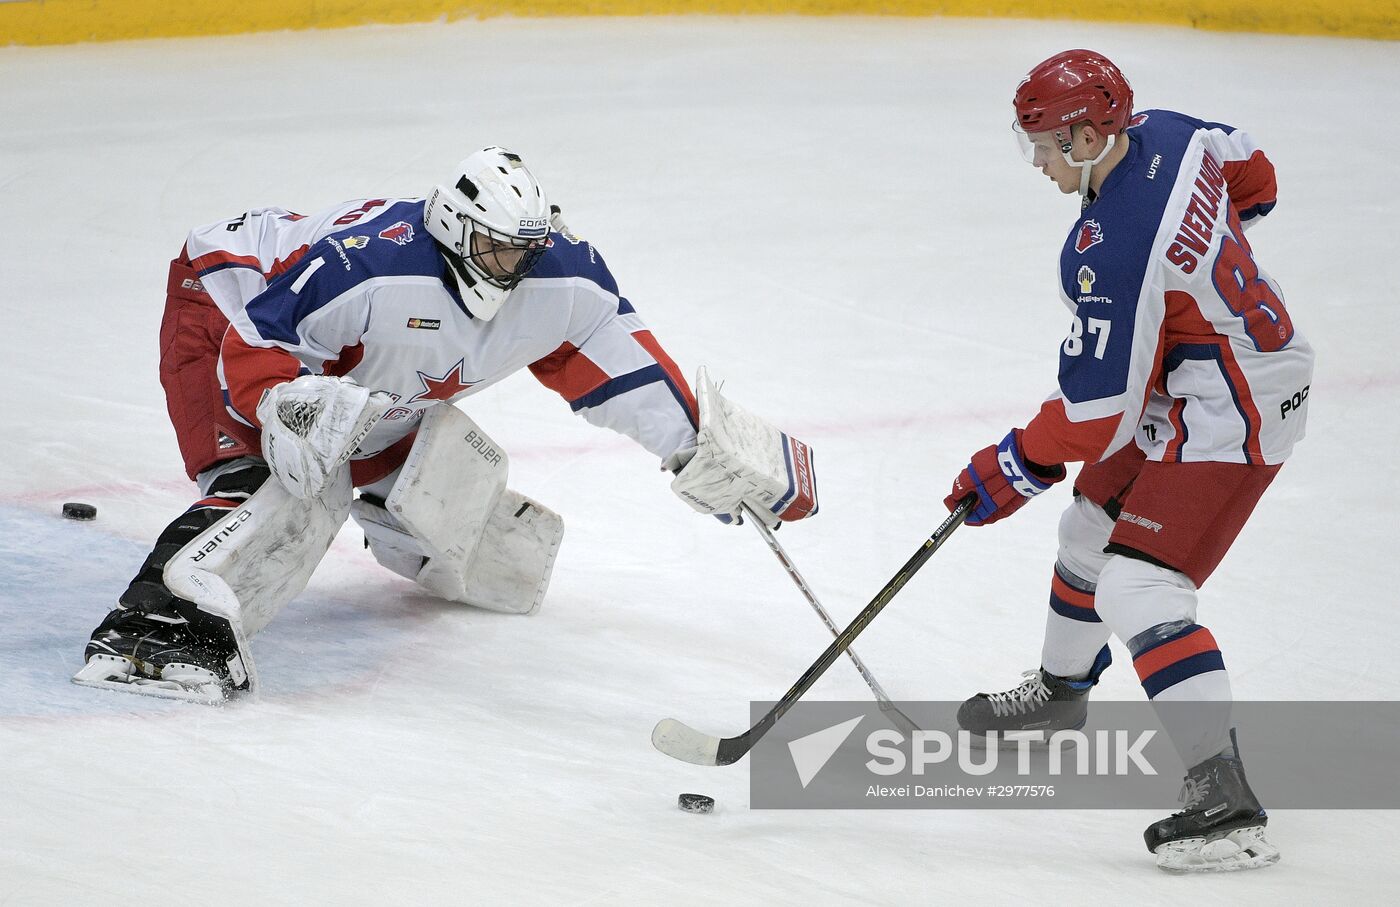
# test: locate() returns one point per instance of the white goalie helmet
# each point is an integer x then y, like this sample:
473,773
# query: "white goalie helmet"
493,222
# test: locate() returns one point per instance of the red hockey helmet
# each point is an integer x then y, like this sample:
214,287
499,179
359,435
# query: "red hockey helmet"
1077,86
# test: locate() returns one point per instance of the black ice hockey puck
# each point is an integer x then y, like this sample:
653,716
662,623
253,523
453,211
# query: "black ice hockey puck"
696,803
80,511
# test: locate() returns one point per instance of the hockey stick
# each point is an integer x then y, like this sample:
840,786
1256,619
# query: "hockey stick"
680,741
886,705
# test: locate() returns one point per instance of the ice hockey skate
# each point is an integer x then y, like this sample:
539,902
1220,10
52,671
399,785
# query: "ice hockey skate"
1222,826
1040,702
167,649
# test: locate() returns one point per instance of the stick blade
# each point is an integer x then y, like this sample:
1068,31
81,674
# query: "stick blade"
680,741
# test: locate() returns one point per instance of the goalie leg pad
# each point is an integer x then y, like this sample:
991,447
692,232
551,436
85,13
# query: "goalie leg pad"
247,566
513,562
393,546
477,542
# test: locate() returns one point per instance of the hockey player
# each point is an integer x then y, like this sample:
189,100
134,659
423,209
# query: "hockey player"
303,357
1183,387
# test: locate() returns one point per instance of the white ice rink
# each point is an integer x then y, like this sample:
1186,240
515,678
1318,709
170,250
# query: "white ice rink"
832,215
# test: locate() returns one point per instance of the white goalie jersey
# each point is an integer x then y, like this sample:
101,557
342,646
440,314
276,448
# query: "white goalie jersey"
362,291
236,258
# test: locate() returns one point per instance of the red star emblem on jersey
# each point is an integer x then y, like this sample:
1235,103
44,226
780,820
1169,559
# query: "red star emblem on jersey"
444,388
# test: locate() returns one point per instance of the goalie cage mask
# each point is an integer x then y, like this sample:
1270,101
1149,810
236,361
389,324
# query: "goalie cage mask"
493,223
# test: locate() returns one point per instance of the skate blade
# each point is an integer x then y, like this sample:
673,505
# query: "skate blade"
1243,848
104,672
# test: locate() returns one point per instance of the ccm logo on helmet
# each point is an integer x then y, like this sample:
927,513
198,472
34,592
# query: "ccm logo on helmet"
1078,113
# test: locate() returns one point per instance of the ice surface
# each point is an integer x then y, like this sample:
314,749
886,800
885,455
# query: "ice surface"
832,216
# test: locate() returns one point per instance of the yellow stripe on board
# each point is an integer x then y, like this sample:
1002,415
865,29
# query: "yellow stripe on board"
69,21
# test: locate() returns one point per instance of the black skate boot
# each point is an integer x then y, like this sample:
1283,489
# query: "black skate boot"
169,649
160,645
1042,702
1222,826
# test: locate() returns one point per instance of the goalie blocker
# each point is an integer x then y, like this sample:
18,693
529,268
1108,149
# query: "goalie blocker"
740,459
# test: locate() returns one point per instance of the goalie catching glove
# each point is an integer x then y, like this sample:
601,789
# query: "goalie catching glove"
312,425
740,459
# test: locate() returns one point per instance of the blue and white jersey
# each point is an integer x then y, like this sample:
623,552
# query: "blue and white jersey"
374,301
236,258
1179,341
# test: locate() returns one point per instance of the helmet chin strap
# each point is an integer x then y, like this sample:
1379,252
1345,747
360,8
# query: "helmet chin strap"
1086,168
460,275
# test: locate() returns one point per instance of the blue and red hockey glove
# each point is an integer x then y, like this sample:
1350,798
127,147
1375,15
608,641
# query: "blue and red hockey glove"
1003,480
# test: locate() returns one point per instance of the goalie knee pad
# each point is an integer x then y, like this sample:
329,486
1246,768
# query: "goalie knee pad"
451,525
234,479
394,547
